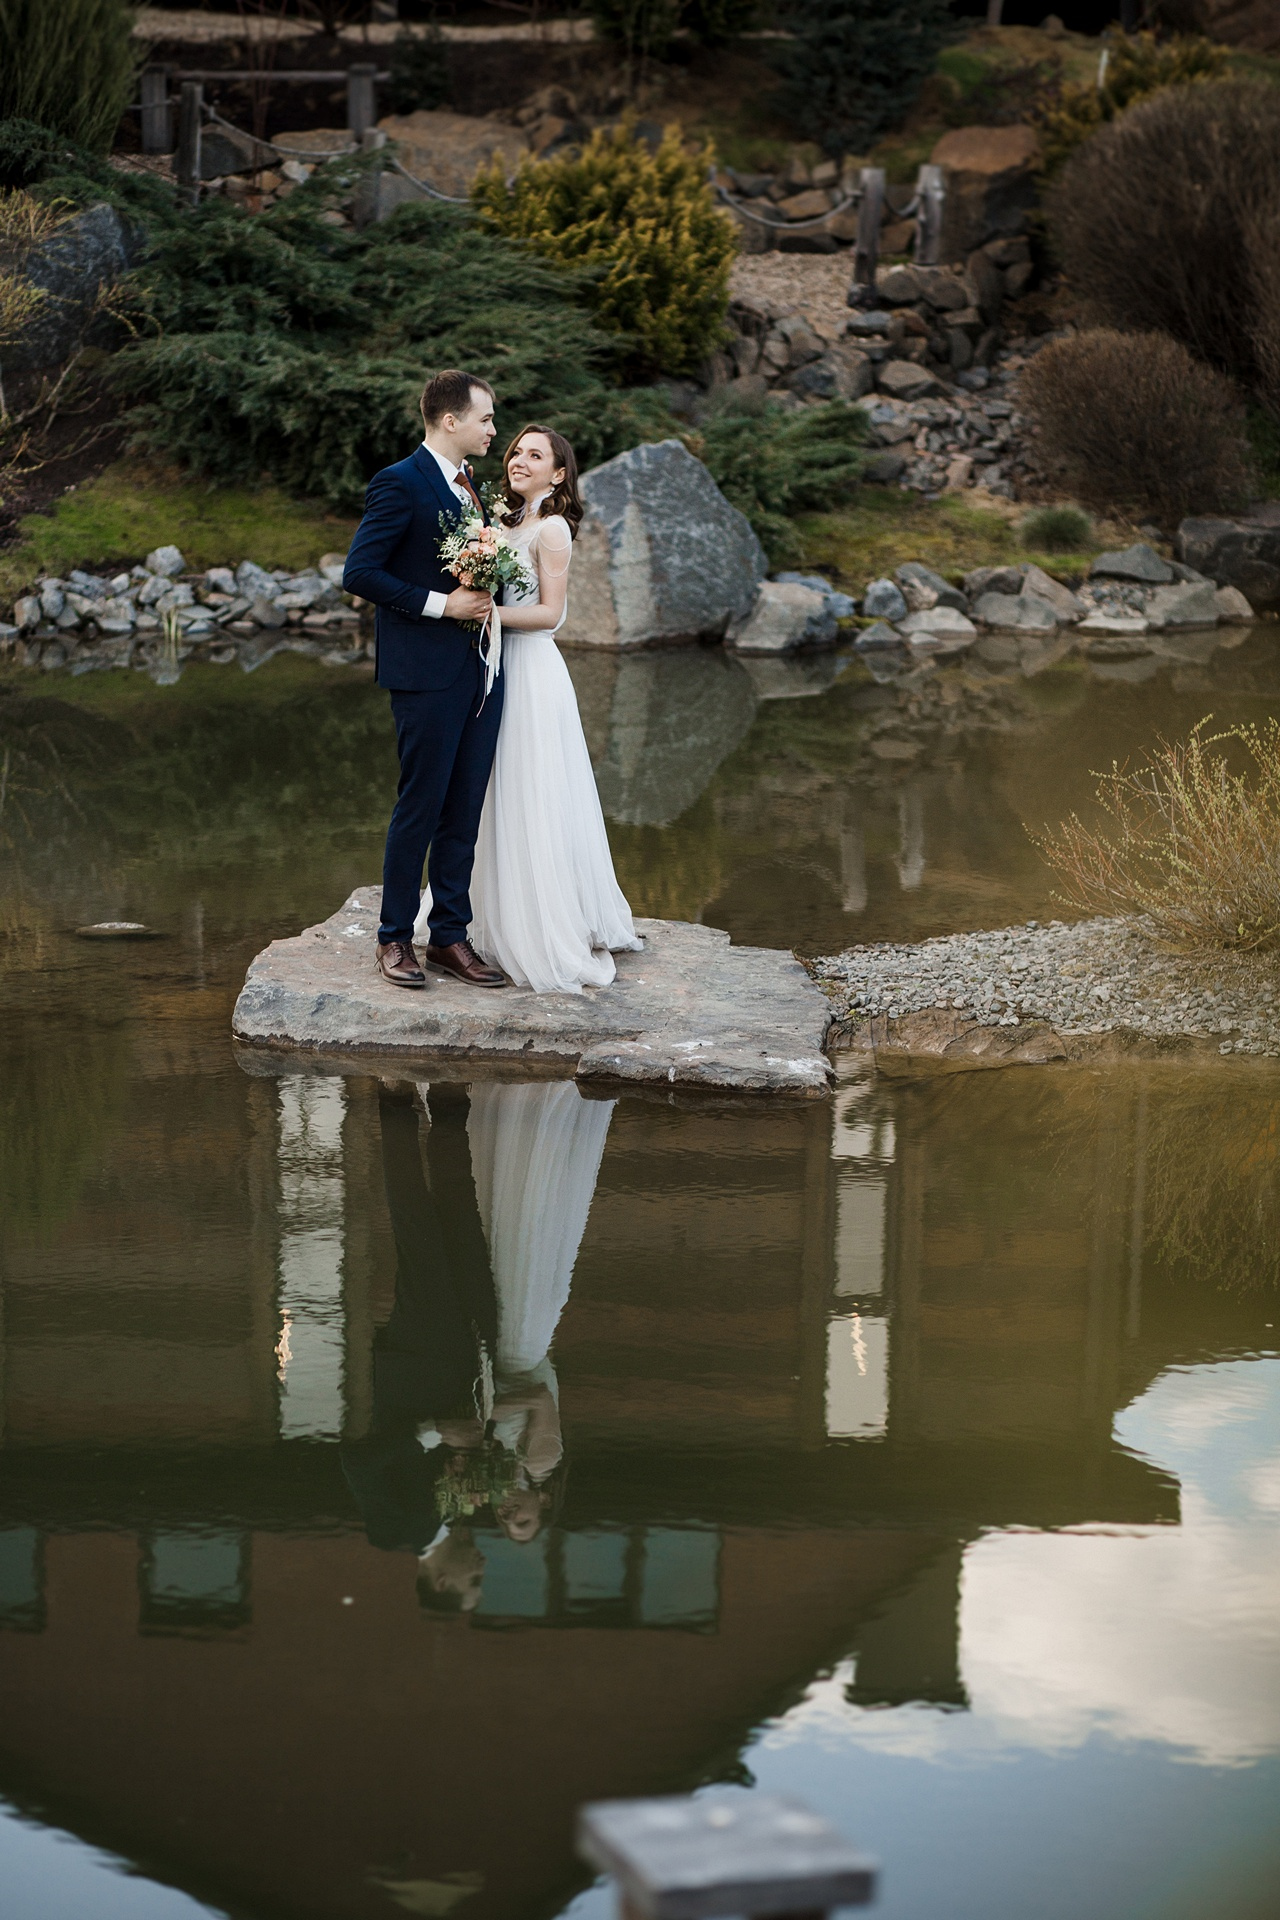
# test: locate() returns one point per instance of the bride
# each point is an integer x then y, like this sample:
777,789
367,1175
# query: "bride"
546,906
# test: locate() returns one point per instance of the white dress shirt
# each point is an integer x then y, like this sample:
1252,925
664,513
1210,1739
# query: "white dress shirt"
434,609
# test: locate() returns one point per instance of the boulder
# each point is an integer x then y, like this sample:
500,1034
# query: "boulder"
841,604
449,149
867,326
891,423
1233,609
166,561
900,286
993,580
1016,613
1183,605
922,588
89,251
991,184
27,612
661,555
785,616
842,373
883,469
1039,585
1139,563
1242,553
906,380
884,601
1113,623
985,284
226,150
254,582
940,621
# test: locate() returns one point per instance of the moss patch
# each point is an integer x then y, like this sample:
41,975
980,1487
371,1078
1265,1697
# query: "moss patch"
130,508
886,527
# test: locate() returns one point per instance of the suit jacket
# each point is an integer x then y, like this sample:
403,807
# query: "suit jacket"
394,561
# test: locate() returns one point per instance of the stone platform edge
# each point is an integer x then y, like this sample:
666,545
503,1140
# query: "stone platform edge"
692,1012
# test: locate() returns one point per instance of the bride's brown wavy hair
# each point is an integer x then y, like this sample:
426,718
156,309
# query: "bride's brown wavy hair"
563,499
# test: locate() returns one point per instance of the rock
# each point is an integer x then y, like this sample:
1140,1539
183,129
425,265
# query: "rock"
841,604
692,1010
869,326
959,473
220,580
255,583
54,655
922,587
884,601
1183,605
985,284
89,251
809,205
1233,608
1243,553
330,566
52,599
993,580
897,236
165,561
1113,623
1039,585
900,286
1140,563
905,380
26,612
890,422
785,616
661,555
940,621
883,469
873,639
842,373
178,595
1015,613
991,184
265,613
448,149
224,150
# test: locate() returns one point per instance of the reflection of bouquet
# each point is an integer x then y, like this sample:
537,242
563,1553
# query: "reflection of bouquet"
473,1481
481,557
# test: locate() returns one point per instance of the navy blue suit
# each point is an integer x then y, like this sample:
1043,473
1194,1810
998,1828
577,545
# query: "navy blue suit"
446,731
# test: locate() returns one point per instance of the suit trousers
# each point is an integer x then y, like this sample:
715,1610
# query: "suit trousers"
446,740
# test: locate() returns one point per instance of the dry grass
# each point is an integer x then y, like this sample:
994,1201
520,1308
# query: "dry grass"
1134,420
1193,846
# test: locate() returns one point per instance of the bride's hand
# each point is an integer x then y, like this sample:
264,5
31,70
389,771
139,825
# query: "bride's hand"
465,603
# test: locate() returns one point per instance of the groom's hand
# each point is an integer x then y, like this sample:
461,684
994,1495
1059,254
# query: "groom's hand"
464,603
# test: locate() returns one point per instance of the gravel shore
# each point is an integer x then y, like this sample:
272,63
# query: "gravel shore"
1091,977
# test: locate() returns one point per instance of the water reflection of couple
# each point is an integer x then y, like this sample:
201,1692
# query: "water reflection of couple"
487,1214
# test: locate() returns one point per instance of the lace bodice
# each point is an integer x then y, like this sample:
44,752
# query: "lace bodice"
548,545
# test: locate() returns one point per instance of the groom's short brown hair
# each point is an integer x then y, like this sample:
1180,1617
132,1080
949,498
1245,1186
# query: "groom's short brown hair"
450,392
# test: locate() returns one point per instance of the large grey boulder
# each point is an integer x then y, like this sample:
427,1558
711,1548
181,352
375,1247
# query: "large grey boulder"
1139,563
1039,585
1183,605
923,588
1015,613
884,601
88,251
1243,553
785,616
661,555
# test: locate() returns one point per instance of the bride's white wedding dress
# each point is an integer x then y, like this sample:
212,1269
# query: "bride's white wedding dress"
545,904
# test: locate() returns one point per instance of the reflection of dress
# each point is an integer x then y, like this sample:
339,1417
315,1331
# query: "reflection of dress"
535,1155
546,906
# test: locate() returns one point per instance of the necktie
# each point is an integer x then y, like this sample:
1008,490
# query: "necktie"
464,481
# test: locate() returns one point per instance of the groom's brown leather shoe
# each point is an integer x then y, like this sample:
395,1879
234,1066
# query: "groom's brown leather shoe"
398,963
463,960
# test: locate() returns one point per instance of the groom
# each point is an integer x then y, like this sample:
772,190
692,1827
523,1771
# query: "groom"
446,730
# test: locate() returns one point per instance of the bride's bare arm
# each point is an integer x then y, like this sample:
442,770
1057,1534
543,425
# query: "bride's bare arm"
554,548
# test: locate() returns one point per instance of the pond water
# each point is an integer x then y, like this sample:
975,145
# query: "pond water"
917,1453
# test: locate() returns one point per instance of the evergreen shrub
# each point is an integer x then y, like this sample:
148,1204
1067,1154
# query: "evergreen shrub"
419,68
69,67
1168,219
643,27
644,230
277,343
1132,420
1056,530
1137,65
771,462
853,68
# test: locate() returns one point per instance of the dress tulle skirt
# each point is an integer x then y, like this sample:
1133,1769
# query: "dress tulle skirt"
545,904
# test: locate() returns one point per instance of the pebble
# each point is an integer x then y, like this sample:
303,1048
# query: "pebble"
1085,977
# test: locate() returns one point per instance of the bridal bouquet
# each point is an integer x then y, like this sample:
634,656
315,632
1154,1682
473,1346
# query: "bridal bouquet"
482,557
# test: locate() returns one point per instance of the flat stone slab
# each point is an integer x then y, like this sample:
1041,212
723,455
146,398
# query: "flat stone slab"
692,1010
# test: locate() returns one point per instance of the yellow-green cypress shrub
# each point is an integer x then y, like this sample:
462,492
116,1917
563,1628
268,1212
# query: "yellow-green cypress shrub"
645,230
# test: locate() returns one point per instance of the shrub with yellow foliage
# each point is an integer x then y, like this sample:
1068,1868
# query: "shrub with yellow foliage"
644,231
1136,65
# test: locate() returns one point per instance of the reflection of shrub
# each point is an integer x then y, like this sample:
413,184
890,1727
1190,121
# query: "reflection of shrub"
853,68
1213,1181
1137,65
285,346
73,73
1132,420
1164,220
1192,845
645,228
1056,530
770,464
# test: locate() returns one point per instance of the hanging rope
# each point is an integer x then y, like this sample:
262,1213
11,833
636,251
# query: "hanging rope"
454,199
851,199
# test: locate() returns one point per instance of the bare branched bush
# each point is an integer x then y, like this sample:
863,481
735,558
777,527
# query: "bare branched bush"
1133,420
1192,846
1158,217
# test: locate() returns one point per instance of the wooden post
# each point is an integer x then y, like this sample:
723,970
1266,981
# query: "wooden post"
362,97
931,193
157,120
190,109
870,213
994,10
722,1854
